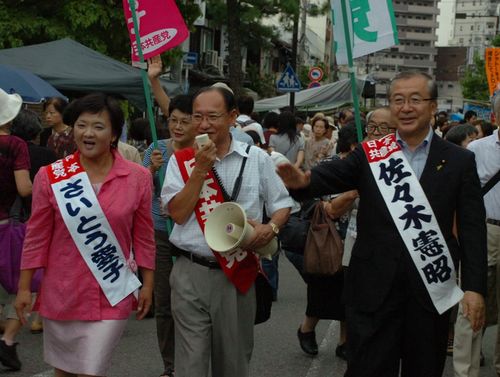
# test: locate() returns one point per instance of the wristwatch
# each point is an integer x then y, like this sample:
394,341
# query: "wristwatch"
275,227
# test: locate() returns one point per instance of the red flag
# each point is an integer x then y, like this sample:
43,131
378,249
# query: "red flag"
160,25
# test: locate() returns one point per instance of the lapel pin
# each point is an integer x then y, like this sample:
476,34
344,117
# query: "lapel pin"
440,166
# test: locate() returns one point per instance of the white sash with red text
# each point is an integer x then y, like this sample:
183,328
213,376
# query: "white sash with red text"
240,266
414,219
90,229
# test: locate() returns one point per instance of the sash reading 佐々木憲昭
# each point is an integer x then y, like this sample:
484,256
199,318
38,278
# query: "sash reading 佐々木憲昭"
414,219
90,229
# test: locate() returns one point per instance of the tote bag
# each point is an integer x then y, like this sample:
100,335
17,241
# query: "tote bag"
324,247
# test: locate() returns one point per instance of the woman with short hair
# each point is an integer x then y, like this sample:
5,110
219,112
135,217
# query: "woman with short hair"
90,210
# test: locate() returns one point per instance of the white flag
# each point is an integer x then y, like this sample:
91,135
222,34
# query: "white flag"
372,27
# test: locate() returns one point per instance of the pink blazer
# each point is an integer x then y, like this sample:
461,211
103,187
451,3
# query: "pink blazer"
69,290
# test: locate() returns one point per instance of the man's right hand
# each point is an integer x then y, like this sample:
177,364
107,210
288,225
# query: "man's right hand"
205,156
293,177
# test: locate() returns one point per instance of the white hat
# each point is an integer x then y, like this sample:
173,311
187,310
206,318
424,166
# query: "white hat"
222,85
10,104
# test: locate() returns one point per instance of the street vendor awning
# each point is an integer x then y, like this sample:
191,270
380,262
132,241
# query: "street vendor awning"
322,98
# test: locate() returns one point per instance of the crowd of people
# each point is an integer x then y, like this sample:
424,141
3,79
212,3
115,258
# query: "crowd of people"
419,224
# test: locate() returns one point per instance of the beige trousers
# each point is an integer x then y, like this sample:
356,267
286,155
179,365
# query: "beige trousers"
466,348
494,260
213,322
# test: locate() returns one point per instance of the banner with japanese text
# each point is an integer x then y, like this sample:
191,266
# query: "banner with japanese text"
161,26
372,27
492,59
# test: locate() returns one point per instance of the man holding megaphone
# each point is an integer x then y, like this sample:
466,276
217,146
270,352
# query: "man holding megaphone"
213,293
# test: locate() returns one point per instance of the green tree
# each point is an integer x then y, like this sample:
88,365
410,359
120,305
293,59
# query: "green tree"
475,83
244,28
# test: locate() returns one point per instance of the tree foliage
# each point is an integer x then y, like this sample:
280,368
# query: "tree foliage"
245,27
475,83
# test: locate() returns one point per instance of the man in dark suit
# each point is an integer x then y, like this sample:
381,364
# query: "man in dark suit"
391,318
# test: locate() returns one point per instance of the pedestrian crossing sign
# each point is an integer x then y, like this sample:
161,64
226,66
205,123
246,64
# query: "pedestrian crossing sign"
289,81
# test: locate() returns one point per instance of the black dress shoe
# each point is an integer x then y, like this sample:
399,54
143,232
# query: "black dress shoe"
8,356
341,352
307,341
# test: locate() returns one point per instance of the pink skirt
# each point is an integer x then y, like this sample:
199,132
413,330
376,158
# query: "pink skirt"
81,347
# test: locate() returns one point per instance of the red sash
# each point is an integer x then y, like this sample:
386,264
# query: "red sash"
240,266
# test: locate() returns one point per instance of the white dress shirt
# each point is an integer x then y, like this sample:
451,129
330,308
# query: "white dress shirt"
487,151
260,186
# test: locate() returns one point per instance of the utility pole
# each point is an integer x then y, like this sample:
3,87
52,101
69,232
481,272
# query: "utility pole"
303,26
293,63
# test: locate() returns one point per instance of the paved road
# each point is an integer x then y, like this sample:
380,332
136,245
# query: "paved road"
276,352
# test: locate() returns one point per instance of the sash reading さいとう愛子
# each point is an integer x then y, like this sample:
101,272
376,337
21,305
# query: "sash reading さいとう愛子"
90,229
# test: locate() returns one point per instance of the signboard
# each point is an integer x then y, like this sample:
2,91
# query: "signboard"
190,58
160,24
315,74
371,25
289,81
313,84
492,60
483,112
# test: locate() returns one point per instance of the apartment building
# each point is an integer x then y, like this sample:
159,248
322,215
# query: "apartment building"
416,22
475,25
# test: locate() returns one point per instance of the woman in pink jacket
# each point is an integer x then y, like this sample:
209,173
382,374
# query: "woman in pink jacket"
90,210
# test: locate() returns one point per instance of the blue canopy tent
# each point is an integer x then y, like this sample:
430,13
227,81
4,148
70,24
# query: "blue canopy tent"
28,85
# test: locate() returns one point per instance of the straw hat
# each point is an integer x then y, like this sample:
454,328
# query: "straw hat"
10,104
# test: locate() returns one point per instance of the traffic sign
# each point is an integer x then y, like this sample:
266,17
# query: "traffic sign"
313,84
289,81
315,74
190,58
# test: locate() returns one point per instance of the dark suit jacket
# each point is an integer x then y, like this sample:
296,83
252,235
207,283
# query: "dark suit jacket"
379,249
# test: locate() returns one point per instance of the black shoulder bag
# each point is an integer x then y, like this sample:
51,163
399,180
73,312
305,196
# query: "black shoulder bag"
491,183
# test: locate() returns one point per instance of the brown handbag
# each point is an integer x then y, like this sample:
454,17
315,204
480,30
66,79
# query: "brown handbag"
324,247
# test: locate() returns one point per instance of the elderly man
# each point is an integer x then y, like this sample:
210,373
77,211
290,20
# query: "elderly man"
402,280
379,123
213,295
467,343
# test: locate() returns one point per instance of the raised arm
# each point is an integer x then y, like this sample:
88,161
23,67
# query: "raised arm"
154,70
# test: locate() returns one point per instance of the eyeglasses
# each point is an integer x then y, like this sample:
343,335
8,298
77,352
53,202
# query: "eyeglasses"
400,101
184,122
197,118
382,127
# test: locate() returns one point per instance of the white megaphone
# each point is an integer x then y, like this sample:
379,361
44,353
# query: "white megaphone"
226,229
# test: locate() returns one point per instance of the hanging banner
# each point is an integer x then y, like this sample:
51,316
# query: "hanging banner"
161,26
492,60
372,27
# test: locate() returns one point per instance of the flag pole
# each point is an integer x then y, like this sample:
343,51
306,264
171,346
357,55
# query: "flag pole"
145,80
352,73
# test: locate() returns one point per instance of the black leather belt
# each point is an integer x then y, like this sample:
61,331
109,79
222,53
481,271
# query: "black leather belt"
213,264
493,221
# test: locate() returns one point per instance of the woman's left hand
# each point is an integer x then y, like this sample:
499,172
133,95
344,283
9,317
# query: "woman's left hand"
23,305
145,301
